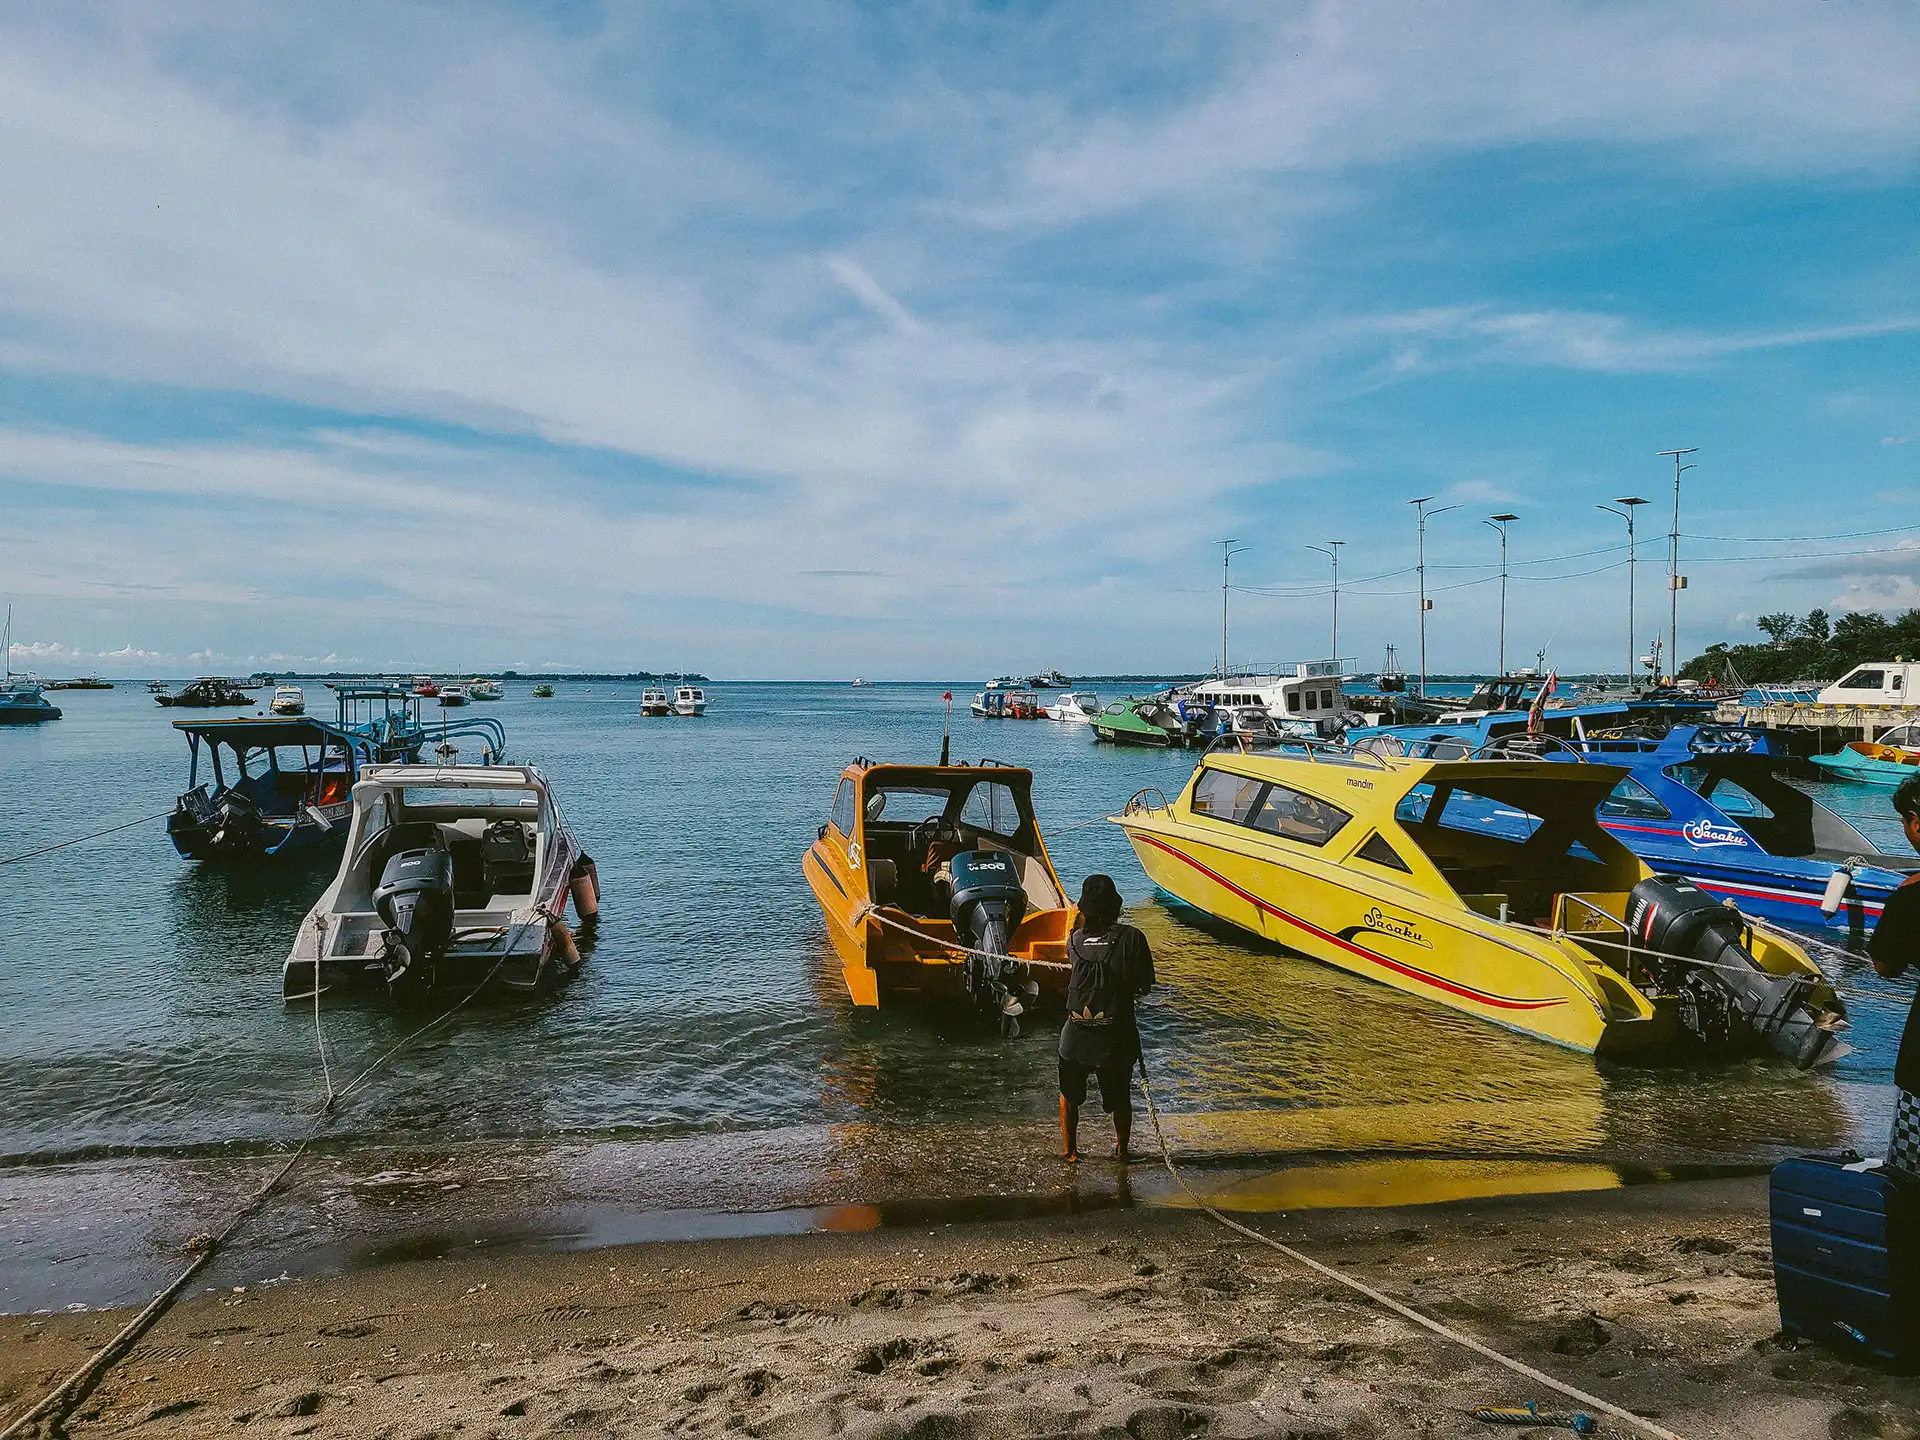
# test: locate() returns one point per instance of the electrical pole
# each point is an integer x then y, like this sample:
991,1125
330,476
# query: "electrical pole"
1630,501
1499,522
1332,551
1420,568
1227,552
1676,582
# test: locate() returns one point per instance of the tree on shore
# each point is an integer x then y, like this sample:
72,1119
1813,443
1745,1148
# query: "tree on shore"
1813,646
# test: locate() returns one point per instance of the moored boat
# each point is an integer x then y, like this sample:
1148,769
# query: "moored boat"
1005,705
1156,722
481,688
425,686
82,682
452,697
288,700
689,700
936,885
655,701
1076,707
209,692
276,785
1408,872
543,691
1891,759
21,702
452,876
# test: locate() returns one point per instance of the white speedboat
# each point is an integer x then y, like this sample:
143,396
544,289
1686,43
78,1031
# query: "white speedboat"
483,689
453,876
453,696
1077,707
288,700
689,700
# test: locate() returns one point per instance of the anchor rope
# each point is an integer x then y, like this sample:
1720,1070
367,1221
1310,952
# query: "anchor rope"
78,839
67,1395
1404,1311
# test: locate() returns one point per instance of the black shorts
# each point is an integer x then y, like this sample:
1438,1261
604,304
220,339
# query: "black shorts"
1116,1084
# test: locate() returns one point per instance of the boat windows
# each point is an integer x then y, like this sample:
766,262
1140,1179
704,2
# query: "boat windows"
992,808
1864,680
1326,699
1293,815
907,805
1631,800
843,802
1222,795
1412,808
1381,853
1313,700
1735,800
416,797
1293,700
1482,814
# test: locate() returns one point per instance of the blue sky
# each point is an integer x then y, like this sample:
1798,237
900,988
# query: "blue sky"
801,340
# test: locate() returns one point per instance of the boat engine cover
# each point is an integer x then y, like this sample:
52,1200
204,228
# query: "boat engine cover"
414,900
986,885
1727,997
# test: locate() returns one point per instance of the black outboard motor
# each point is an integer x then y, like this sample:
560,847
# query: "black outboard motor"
988,906
415,902
1727,1002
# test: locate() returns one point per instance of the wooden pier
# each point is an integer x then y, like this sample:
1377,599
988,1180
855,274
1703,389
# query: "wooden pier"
1825,727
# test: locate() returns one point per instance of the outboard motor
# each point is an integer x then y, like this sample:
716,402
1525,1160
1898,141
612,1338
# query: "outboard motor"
235,827
1727,1001
415,902
988,906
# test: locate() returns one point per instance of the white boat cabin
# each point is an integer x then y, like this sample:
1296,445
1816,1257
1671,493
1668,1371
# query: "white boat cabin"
1314,689
1879,684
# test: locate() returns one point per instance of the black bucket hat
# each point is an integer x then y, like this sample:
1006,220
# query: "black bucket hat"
1099,902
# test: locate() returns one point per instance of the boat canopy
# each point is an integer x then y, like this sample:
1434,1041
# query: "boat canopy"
996,799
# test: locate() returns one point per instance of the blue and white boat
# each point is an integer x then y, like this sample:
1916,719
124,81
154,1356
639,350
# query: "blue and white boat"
1891,760
21,702
276,785
1708,802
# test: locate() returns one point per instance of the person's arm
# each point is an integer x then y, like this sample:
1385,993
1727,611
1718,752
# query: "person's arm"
1896,938
1141,966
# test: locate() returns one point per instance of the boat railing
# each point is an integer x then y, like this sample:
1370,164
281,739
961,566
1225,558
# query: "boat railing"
1334,752
1527,747
1145,802
1609,922
489,729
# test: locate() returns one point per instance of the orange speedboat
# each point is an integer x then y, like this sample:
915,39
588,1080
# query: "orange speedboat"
935,883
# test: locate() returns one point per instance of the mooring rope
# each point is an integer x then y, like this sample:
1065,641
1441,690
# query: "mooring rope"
869,911
78,839
1406,1312
63,1398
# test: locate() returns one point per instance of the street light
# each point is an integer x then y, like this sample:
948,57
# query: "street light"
1630,501
1499,522
1676,582
1228,549
1332,551
1420,567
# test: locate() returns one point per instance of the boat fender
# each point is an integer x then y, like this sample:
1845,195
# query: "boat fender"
1838,884
562,939
584,883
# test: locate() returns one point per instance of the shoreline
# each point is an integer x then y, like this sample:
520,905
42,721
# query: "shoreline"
1146,1321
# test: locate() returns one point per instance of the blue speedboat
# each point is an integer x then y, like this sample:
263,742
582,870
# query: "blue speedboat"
21,702
280,784
1708,802
1457,736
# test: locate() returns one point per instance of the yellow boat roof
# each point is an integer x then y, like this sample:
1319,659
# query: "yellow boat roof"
1362,782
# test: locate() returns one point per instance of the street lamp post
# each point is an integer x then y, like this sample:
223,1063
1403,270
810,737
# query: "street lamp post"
1332,551
1676,582
1631,502
1228,549
1420,568
1499,522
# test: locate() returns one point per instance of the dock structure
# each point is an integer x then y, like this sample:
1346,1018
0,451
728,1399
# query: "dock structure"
1828,727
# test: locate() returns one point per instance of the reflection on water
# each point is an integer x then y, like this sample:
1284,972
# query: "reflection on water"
143,1015
1358,1183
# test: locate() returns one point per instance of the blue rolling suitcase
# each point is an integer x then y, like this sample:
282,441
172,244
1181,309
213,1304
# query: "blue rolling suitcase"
1846,1255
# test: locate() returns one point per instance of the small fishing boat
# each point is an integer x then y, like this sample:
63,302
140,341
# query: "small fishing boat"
207,693
83,682
543,691
288,700
481,688
453,696
1049,680
916,861
1076,707
1005,705
425,686
1891,759
654,701
1392,678
454,876
278,785
1411,873
689,700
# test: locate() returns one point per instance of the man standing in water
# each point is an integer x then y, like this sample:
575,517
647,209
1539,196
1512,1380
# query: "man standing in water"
1112,966
1896,945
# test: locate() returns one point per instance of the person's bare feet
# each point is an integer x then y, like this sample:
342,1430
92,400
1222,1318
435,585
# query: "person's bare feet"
1072,1157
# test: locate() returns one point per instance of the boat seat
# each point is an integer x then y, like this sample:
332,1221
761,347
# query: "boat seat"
883,877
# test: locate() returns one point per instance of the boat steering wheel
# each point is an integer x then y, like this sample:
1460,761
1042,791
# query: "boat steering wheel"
929,835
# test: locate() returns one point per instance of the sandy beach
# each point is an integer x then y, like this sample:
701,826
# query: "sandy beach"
1148,1322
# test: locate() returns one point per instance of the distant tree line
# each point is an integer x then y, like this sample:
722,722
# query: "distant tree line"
1813,646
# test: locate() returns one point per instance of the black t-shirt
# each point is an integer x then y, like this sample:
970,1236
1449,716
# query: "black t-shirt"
1896,945
1109,972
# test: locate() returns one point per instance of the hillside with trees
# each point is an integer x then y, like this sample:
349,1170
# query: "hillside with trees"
1810,647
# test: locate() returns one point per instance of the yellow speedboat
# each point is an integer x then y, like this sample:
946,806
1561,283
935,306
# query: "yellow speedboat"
934,882
1486,886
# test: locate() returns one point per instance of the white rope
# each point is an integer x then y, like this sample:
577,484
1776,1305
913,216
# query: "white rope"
869,911
1406,1312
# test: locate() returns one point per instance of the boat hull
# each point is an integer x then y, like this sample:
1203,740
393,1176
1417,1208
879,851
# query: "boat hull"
28,714
1864,769
1396,942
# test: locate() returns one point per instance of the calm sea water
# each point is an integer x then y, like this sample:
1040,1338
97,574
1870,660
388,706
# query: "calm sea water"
140,1010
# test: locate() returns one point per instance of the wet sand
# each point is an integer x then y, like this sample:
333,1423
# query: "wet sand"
1128,1322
